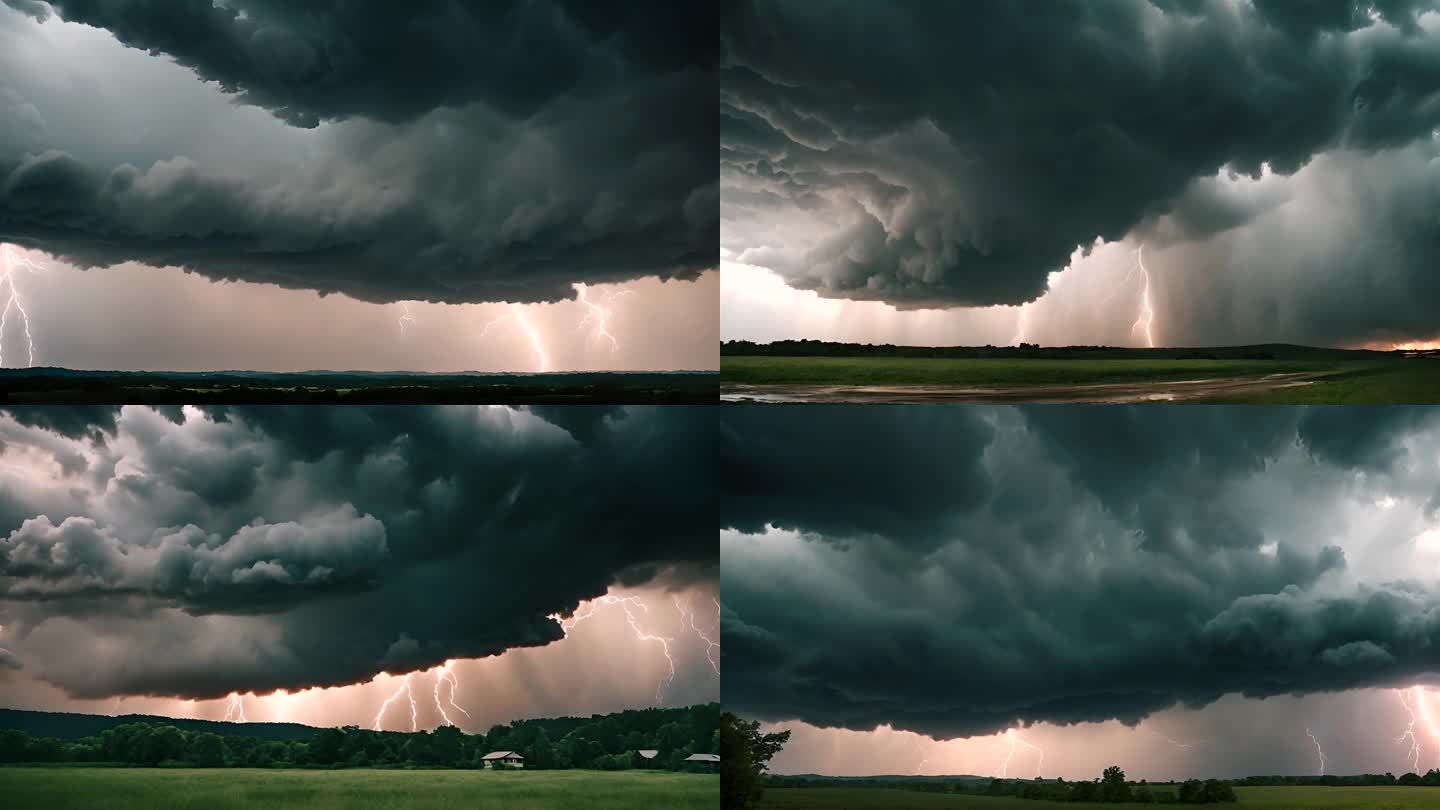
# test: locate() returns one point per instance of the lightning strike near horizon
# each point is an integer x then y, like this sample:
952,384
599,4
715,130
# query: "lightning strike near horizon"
405,318
443,675
1020,325
687,615
1014,740
235,711
1419,711
10,262
525,327
407,691
1317,750
625,603
597,315
1147,313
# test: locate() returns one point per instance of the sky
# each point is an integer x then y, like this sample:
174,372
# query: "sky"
302,562
243,185
1187,591
1136,172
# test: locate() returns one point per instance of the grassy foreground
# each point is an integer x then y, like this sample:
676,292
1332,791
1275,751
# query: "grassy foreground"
1252,798
1337,381
80,788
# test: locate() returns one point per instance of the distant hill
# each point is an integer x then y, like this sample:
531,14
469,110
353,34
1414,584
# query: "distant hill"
1262,351
74,726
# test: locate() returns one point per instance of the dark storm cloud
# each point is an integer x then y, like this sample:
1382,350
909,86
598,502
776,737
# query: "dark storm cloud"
333,60
934,154
357,540
500,153
1067,565
73,422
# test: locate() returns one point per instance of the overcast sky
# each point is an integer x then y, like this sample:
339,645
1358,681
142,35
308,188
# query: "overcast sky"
519,153
939,173
161,559
1182,591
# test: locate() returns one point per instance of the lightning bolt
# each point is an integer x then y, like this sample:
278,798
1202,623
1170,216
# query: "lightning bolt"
408,692
1183,746
625,603
521,320
597,315
1147,313
235,711
712,649
443,675
1317,750
406,319
1016,740
1415,702
1020,325
11,261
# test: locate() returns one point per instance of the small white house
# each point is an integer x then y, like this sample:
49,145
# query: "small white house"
647,753
502,759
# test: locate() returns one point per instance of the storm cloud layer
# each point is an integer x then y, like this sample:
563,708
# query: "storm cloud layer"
442,152
956,155
960,571
195,552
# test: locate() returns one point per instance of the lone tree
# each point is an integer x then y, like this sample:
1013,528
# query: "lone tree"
1113,787
745,753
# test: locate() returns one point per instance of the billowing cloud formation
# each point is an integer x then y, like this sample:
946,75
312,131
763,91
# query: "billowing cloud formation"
944,155
200,552
458,154
45,561
1067,565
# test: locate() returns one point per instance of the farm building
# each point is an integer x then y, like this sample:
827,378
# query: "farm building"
502,759
702,761
646,758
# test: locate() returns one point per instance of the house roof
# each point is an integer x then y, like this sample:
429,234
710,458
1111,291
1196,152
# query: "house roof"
647,753
502,755
703,758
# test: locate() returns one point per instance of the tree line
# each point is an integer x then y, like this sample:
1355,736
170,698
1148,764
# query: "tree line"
601,742
1111,787
1430,779
823,348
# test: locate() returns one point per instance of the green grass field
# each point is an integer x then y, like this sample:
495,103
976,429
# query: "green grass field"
1335,381
79,788
1255,798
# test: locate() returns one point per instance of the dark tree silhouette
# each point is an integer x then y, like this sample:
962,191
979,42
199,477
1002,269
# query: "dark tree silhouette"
745,753
1113,787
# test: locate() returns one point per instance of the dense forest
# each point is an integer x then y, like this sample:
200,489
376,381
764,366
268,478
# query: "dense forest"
602,742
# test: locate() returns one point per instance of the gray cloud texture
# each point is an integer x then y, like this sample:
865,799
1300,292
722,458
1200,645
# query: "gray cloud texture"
196,552
960,571
947,155
453,153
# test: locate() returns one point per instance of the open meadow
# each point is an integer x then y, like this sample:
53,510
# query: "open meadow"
1251,798
92,788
